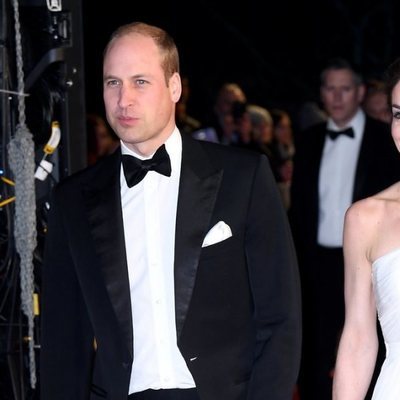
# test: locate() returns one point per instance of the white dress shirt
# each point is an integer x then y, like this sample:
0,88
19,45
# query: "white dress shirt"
336,180
149,214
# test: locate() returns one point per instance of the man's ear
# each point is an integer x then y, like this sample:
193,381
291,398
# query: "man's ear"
175,87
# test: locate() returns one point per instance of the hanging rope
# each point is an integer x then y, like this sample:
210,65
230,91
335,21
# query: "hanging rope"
21,153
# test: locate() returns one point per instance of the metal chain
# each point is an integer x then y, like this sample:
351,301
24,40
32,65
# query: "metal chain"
21,153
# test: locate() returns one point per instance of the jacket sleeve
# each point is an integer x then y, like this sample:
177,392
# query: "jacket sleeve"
275,287
66,334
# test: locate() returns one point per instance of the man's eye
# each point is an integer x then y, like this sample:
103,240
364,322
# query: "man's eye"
112,82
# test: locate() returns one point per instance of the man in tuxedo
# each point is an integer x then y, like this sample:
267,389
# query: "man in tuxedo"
349,157
169,270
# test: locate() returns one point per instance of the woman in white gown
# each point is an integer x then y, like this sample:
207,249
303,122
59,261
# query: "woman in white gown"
372,284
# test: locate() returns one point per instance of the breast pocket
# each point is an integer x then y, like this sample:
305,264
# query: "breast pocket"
219,249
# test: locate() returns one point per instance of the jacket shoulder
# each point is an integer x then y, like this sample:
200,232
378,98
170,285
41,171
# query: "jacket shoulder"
90,175
222,152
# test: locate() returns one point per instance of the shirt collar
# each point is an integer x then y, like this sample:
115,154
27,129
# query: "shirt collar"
357,123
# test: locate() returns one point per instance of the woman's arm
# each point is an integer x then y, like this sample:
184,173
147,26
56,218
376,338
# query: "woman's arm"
358,345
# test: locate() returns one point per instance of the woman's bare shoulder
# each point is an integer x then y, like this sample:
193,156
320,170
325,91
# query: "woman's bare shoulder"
374,221
363,212
375,207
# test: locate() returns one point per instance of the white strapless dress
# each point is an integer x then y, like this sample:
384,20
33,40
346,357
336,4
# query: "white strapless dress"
386,284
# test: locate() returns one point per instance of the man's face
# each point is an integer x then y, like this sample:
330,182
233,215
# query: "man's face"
341,95
140,105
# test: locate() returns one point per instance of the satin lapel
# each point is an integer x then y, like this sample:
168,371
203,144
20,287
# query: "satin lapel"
198,189
103,204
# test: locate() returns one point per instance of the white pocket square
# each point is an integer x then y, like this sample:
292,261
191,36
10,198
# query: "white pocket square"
219,232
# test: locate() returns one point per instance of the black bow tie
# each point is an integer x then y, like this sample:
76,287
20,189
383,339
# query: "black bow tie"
135,170
334,134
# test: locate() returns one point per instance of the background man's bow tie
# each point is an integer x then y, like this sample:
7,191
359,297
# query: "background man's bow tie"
135,169
334,134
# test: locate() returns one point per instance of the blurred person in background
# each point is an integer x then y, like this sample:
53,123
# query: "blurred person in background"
219,126
376,103
186,123
101,140
284,151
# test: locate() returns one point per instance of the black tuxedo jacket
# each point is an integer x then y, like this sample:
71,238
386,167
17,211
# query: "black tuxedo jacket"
378,166
237,302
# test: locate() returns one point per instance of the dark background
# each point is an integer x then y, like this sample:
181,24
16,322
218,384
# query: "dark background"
274,50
